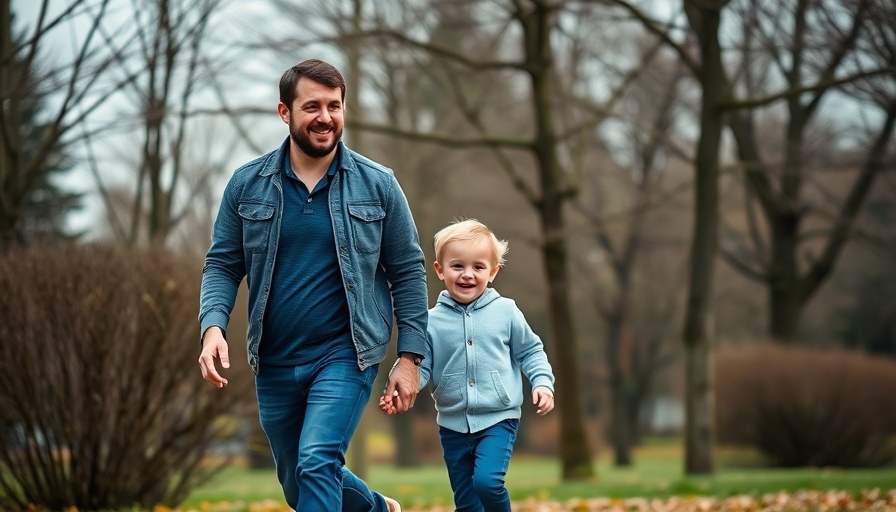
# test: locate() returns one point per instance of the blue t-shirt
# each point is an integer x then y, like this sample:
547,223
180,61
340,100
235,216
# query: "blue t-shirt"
307,311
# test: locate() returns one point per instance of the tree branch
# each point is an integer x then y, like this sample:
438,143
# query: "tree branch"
851,206
658,30
823,85
443,140
443,52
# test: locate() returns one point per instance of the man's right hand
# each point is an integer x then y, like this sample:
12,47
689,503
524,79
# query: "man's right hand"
214,346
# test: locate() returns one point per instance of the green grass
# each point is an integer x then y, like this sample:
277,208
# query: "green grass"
656,472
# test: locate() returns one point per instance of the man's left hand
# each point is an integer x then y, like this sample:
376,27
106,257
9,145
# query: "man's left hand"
405,380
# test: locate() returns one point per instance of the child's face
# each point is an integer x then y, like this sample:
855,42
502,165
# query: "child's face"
467,268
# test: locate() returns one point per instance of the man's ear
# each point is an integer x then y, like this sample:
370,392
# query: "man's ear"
283,110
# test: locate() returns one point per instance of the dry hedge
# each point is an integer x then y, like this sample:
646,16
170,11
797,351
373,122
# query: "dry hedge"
804,407
101,402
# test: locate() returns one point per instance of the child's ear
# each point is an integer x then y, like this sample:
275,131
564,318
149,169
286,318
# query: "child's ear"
438,269
494,273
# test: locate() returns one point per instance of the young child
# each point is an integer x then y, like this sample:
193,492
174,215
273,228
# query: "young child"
478,343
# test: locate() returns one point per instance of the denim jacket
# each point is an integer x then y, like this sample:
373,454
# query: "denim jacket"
379,253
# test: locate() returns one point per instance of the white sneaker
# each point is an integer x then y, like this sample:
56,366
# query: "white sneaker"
391,504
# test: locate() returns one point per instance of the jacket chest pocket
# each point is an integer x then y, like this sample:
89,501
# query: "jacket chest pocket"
258,219
367,226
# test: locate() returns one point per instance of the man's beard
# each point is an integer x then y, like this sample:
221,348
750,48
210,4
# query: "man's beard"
303,141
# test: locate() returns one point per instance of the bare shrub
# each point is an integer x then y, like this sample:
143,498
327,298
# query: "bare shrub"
801,407
101,402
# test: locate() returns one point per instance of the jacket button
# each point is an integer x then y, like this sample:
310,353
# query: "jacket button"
343,250
470,341
350,286
471,383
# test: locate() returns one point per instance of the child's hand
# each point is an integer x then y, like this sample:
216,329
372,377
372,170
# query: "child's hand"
387,405
544,400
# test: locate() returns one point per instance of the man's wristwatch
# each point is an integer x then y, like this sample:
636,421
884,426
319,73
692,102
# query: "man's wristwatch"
417,358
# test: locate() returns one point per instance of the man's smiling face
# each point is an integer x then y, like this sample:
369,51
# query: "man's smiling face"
316,118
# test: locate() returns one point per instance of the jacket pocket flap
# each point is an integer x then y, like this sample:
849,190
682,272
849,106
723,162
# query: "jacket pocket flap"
367,212
256,211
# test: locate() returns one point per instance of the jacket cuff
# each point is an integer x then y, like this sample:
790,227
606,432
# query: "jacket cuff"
412,344
213,319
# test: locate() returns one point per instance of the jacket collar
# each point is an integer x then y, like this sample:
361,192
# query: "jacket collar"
272,165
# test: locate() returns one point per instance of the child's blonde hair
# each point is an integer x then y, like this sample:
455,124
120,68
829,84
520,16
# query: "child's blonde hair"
468,230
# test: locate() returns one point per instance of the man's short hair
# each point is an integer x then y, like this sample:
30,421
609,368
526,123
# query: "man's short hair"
312,69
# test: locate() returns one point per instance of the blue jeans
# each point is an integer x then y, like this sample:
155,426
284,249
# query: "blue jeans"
309,413
477,463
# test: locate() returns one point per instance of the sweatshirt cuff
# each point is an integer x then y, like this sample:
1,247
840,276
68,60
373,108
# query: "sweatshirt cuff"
543,383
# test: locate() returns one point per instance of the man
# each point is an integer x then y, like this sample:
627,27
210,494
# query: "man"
328,246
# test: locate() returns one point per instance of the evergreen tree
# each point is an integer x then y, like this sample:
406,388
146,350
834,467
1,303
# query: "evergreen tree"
48,203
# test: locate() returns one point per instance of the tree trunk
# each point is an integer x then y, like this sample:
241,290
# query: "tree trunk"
358,446
621,426
10,141
704,19
575,453
785,310
406,453
618,354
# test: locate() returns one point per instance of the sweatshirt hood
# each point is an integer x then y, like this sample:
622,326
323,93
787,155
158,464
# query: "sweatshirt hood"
488,296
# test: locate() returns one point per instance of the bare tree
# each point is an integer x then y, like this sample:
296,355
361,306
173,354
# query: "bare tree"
703,19
162,47
815,49
618,219
808,71
69,87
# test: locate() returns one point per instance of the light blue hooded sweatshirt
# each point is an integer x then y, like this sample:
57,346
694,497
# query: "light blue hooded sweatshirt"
474,357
